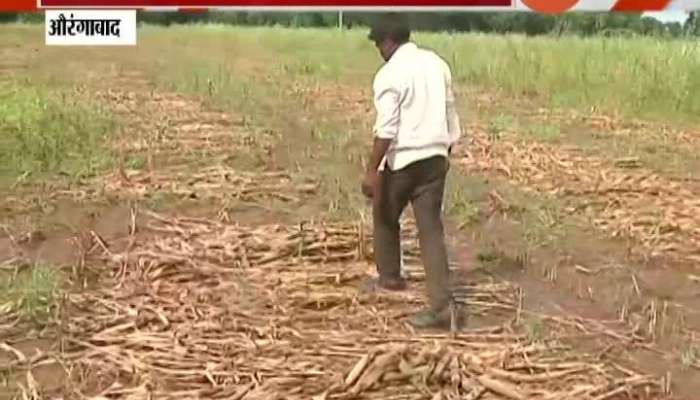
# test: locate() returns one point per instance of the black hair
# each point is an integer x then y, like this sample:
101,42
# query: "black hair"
392,26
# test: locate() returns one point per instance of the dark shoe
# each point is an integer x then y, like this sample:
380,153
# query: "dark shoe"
431,319
373,285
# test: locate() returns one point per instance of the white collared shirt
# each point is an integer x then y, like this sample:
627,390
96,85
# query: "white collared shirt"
415,106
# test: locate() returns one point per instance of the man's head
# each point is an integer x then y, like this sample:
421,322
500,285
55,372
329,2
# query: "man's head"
389,32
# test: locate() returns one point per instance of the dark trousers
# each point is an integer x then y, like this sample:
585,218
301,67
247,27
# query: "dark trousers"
422,184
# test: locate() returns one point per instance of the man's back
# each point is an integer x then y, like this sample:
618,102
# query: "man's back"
414,101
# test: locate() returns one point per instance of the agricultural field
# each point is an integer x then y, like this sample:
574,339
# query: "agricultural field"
183,220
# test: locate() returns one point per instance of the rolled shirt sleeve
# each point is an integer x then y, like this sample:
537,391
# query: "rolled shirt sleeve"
387,99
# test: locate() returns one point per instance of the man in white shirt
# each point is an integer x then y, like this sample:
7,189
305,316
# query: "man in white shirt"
415,129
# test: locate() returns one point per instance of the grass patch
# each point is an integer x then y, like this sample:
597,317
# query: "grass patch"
544,132
690,356
31,292
46,134
488,254
657,78
500,125
535,330
541,218
135,161
464,198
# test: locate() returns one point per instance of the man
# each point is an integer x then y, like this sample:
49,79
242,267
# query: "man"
414,132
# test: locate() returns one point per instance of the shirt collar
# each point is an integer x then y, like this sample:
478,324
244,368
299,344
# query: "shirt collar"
404,48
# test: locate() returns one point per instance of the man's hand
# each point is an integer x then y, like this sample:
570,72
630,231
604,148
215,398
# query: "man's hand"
371,179
370,183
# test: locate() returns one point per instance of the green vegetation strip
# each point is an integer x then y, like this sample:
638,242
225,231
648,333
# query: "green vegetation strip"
30,292
45,133
642,77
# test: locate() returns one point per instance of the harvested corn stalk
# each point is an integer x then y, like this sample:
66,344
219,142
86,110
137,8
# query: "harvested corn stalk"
182,315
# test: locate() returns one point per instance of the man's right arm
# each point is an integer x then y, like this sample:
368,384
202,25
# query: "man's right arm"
387,98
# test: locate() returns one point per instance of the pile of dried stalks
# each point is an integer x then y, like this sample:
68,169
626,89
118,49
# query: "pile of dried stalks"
211,183
660,213
201,309
171,126
217,182
185,128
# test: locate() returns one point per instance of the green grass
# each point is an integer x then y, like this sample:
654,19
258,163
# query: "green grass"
690,356
500,125
31,292
544,132
44,133
465,198
135,161
656,78
536,330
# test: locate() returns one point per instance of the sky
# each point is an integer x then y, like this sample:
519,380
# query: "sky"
669,16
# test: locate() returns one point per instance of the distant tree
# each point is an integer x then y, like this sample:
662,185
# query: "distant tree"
231,18
7,17
153,17
674,29
31,18
692,24
169,17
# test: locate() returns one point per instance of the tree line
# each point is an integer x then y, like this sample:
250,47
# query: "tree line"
575,23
